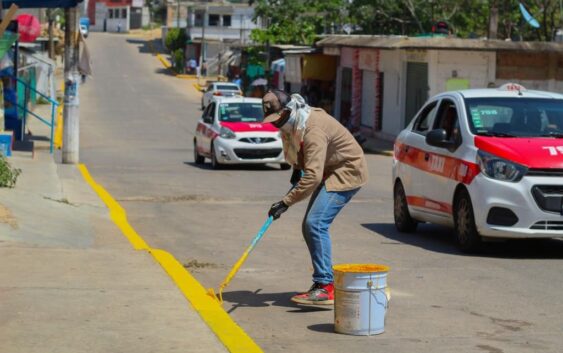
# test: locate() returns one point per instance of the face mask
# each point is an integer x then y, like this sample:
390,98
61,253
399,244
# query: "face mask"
288,126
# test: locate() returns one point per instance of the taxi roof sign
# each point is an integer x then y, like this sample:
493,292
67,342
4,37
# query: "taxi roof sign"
512,87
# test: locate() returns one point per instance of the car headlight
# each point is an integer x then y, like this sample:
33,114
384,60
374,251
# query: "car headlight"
227,133
500,169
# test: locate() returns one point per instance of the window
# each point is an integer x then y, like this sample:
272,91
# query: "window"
241,112
214,20
448,119
123,13
521,117
227,88
110,13
209,113
198,22
226,20
422,123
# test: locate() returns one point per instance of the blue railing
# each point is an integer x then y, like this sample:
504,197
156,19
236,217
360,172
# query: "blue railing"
54,105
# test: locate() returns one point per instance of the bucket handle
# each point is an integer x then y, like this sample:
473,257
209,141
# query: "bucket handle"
373,289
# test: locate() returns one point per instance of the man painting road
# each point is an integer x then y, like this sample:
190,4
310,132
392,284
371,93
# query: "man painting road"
334,169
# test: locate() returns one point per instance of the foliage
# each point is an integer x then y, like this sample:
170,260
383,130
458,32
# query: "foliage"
176,39
295,21
466,18
255,55
300,21
8,175
178,60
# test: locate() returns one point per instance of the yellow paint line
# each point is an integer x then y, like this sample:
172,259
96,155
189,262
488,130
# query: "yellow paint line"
232,335
184,76
117,213
229,333
163,61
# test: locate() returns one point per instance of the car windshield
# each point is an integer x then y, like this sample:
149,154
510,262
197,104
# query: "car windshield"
515,117
241,112
227,87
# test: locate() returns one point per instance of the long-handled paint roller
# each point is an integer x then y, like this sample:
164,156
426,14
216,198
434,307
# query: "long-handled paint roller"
240,261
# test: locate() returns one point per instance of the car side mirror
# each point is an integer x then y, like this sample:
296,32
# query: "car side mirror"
439,138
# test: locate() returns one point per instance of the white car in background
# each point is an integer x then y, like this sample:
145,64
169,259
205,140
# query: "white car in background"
219,89
84,31
487,162
231,131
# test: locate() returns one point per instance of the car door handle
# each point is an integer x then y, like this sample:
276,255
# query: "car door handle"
426,157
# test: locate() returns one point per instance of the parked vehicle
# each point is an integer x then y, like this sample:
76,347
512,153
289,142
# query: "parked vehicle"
219,89
85,26
84,31
231,131
487,162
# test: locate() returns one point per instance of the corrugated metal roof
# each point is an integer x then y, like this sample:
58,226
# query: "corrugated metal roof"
403,42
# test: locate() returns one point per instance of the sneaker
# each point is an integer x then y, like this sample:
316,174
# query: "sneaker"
319,294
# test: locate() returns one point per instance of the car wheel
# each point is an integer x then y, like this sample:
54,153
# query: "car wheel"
467,237
403,220
198,159
214,162
285,166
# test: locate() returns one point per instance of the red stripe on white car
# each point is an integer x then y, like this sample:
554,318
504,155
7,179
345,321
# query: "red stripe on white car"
429,204
449,167
249,127
539,153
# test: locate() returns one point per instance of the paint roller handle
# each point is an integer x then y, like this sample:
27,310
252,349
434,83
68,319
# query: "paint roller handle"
248,250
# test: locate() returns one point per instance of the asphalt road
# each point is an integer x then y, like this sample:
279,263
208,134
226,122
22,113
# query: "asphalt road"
137,127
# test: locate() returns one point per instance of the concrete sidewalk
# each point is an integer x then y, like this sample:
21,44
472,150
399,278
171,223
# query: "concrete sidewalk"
70,281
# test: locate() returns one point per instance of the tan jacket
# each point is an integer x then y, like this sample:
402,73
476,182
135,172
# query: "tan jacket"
331,154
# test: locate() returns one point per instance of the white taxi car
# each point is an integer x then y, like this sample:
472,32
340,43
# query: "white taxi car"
231,131
219,89
487,162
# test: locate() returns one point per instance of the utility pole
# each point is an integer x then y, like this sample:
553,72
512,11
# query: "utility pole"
202,51
51,44
178,15
71,102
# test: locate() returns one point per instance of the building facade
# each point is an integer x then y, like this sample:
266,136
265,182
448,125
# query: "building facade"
117,15
382,81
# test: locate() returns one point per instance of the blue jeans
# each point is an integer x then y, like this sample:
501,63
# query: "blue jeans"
323,208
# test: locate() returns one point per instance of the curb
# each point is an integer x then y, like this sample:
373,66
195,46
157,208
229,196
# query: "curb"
167,65
217,319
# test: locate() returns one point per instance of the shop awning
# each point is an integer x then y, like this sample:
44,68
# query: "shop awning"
41,4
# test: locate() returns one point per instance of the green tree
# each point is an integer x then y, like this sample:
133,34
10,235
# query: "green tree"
296,21
175,42
465,17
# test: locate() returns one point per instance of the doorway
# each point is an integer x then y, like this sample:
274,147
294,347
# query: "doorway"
417,89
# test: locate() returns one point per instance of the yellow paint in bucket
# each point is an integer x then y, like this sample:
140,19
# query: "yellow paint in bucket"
361,298
361,268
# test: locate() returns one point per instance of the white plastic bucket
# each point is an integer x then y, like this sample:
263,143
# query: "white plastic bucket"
360,298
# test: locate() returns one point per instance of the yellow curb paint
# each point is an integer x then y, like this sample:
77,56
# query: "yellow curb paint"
229,333
163,61
186,76
58,139
117,213
232,335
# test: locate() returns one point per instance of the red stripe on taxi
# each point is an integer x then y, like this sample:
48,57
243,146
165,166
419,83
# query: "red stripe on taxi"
448,167
429,204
